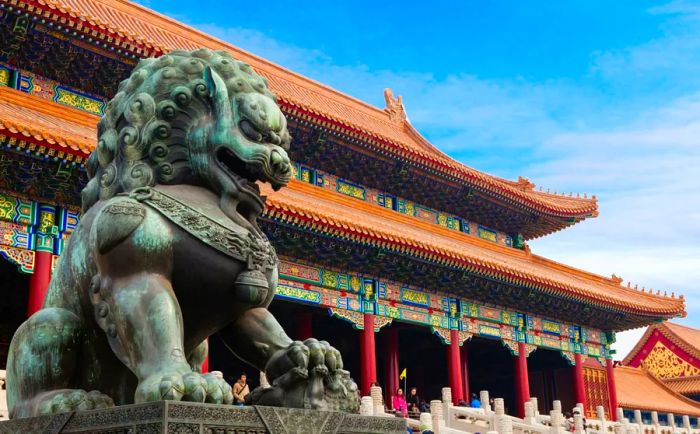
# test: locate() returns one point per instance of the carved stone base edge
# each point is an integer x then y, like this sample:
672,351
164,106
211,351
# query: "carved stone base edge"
169,417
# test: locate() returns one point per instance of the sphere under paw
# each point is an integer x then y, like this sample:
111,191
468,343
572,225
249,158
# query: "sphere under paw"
74,400
190,386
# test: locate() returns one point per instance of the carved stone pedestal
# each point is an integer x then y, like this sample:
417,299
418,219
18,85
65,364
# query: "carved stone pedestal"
170,417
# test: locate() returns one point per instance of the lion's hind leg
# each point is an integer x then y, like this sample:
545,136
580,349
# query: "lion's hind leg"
42,363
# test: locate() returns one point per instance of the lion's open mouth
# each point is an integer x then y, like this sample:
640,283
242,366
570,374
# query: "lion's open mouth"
239,170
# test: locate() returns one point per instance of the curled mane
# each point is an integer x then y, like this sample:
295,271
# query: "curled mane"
143,137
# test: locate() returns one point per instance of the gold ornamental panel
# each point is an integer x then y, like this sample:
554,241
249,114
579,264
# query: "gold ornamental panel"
661,362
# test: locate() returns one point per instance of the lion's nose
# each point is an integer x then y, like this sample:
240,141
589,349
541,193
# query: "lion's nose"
273,137
280,163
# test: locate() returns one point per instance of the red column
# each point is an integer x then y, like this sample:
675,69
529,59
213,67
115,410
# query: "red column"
391,367
454,367
579,385
522,380
304,329
465,371
612,391
368,360
39,281
205,364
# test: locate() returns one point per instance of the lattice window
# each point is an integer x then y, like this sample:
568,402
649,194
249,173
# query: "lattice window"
596,385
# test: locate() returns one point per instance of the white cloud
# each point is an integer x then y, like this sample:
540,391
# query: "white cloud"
626,341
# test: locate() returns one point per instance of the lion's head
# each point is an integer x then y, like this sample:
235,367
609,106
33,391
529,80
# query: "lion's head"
200,118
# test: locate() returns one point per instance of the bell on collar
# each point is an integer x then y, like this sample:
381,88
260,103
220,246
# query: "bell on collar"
251,280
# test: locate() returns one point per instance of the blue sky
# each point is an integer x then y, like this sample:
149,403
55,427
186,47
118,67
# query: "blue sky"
583,96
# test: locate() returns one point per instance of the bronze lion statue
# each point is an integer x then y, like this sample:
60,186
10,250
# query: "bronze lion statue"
168,252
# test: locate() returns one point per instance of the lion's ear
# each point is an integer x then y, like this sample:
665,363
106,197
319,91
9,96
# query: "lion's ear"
208,78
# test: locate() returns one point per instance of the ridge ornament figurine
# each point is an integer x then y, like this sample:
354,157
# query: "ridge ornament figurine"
168,252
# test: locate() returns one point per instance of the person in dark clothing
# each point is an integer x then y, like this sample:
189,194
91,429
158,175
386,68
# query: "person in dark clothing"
424,407
413,401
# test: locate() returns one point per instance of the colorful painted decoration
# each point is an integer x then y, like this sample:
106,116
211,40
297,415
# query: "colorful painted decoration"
385,200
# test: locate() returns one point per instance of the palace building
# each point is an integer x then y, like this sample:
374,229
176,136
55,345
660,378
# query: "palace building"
399,255
671,354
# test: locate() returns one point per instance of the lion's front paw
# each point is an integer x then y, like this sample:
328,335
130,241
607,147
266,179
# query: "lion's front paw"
73,400
191,386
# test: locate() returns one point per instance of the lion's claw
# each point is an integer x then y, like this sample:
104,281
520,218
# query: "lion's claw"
75,400
321,371
190,386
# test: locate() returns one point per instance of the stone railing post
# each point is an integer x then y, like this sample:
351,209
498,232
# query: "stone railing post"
367,406
620,413
376,393
556,405
638,420
555,420
446,403
655,422
502,421
529,413
600,415
671,421
578,424
686,423
499,409
535,406
263,381
426,422
638,417
446,395
485,401
436,415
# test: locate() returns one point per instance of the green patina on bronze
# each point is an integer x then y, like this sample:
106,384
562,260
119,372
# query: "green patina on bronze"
169,252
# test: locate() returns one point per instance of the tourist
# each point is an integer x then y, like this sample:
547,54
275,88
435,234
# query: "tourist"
413,401
424,407
240,390
398,403
475,403
577,412
569,424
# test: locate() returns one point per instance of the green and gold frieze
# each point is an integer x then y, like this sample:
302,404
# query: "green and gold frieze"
386,200
435,309
45,88
28,226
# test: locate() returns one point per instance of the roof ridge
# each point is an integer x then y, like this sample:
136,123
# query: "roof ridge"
673,324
